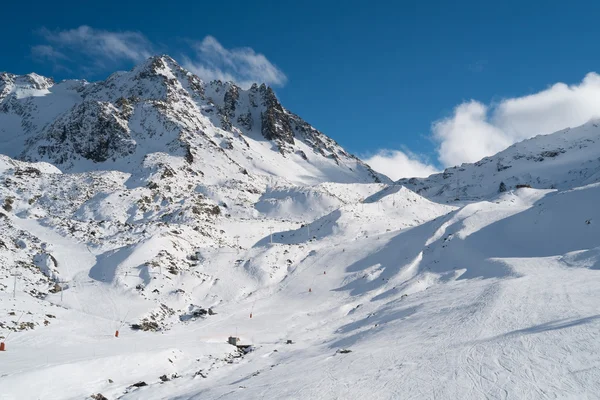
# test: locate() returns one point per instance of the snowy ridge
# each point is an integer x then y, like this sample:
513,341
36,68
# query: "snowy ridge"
562,160
220,130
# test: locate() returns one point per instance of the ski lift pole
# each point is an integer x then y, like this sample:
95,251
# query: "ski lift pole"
62,285
15,274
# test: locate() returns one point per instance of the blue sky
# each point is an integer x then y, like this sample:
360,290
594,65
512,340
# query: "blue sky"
423,84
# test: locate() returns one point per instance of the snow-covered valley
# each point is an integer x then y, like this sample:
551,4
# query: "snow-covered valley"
181,213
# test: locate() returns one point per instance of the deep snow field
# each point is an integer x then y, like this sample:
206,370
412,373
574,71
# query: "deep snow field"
496,299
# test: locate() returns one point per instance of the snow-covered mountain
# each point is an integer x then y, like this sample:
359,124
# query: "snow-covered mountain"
160,111
563,160
179,213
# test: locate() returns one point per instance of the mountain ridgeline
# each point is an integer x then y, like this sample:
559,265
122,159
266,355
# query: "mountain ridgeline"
563,160
159,107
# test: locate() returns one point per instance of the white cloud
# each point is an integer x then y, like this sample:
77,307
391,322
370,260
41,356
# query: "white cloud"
558,107
467,136
397,164
475,130
46,52
241,65
96,49
99,46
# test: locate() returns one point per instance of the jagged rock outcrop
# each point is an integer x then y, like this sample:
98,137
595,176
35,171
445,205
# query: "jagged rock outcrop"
275,122
94,130
159,107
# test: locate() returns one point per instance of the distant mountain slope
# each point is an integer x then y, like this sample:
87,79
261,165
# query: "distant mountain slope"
219,130
562,160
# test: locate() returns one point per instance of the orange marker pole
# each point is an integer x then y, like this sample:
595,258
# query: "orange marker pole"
116,333
2,346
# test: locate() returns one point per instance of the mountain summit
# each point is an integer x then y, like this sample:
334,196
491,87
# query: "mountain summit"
159,107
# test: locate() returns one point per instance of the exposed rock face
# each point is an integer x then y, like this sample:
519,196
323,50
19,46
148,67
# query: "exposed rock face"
276,124
230,100
245,120
93,130
160,107
146,326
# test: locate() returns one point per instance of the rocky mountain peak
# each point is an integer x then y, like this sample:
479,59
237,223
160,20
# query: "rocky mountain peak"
158,106
276,123
36,81
162,65
11,83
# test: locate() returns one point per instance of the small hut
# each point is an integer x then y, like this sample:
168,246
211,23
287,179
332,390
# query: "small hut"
234,341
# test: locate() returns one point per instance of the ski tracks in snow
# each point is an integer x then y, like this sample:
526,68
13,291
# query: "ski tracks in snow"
528,358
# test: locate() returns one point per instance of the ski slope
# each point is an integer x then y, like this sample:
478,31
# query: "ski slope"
495,299
165,214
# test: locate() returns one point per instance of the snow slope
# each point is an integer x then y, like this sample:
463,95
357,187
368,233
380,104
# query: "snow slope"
563,160
125,216
490,300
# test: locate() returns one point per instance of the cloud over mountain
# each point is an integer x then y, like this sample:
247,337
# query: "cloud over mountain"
97,50
476,130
